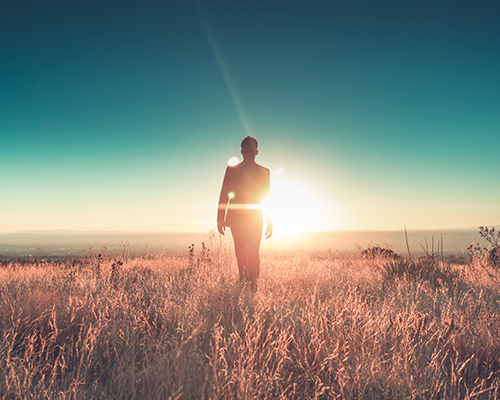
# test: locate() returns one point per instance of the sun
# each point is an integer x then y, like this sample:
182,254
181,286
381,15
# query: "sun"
296,207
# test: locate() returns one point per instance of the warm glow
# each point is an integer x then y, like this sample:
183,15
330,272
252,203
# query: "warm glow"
277,173
296,207
233,161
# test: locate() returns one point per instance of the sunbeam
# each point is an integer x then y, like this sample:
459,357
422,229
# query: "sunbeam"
224,71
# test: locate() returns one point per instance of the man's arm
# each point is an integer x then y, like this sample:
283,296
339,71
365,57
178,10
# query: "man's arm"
269,230
223,200
267,211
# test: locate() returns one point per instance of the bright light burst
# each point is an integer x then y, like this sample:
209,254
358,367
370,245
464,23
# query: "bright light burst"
233,161
279,172
297,208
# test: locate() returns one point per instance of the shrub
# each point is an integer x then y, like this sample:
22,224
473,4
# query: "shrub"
427,269
493,238
484,255
379,252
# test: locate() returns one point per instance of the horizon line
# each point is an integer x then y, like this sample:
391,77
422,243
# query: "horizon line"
142,232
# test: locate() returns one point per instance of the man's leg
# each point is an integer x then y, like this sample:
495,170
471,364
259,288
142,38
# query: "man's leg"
254,236
246,243
240,248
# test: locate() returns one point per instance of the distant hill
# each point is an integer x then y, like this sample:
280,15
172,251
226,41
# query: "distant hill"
74,242
64,242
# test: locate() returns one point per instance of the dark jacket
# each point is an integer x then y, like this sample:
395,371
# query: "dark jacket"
245,199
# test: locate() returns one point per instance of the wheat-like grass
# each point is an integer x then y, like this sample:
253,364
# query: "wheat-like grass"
320,326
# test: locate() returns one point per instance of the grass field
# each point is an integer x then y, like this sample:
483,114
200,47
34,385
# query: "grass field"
322,325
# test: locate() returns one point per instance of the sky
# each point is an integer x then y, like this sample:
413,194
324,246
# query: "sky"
371,115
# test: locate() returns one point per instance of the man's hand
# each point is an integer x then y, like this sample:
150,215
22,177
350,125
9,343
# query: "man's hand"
221,227
269,231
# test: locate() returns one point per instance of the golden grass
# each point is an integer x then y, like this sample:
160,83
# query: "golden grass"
175,327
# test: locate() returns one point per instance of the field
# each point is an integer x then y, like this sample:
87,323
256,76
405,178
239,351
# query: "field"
322,325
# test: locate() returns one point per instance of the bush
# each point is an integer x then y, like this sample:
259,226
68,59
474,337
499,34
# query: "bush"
427,269
493,238
379,252
484,255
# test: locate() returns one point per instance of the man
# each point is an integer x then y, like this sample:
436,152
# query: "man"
244,191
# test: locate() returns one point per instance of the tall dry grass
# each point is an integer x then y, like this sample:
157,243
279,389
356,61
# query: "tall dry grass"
325,325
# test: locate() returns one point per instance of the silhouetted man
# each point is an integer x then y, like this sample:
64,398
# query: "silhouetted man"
241,206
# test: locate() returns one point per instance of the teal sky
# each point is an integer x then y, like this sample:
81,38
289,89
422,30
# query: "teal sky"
121,115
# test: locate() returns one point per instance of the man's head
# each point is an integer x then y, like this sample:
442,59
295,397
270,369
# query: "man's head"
249,148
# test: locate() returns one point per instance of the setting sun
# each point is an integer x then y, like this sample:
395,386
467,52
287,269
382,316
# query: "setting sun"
296,208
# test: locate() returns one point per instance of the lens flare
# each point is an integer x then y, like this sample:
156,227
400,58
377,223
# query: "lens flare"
279,172
230,195
233,161
225,72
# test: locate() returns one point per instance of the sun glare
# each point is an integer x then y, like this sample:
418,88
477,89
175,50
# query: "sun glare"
233,161
296,208
277,173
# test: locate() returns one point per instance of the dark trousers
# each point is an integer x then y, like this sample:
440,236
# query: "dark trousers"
247,237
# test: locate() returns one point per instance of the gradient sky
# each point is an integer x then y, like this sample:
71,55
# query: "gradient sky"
121,115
